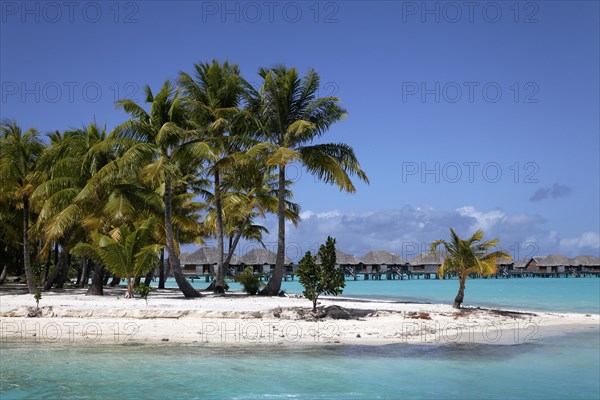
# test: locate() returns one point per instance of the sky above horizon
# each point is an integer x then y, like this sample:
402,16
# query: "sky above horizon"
463,114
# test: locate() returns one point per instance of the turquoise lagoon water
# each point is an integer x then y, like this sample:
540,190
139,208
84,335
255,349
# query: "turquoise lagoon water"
551,294
552,368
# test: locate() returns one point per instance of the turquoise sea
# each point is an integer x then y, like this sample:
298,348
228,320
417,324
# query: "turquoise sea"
553,368
549,294
562,367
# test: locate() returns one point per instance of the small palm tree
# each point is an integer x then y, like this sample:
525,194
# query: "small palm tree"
467,257
288,116
125,252
19,154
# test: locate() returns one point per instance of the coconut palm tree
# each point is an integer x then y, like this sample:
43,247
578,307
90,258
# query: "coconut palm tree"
156,142
72,158
19,153
125,252
467,257
213,95
288,117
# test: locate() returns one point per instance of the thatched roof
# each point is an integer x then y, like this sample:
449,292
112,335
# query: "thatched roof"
521,264
260,256
551,260
428,259
380,257
203,256
504,261
345,259
585,261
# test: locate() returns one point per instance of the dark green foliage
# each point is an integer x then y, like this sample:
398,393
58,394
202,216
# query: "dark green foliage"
323,278
250,282
37,296
143,291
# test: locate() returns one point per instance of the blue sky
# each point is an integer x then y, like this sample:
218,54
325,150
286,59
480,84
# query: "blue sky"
483,117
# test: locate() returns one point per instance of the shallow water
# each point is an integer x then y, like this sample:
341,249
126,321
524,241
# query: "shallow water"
553,294
552,368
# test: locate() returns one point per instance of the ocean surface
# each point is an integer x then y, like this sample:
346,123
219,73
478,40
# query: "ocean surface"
553,368
561,367
580,295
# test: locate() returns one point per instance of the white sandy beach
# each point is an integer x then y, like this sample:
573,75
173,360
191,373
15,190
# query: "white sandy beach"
236,319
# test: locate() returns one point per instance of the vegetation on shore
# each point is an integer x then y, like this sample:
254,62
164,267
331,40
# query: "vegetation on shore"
210,136
466,257
319,274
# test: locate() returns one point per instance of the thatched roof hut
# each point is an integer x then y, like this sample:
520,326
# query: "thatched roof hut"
552,260
381,257
261,256
345,259
585,261
504,261
428,259
521,264
205,255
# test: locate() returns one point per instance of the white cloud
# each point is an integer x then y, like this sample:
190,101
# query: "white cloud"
484,220
587,240
409,230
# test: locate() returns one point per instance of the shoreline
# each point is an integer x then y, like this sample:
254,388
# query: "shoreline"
237,319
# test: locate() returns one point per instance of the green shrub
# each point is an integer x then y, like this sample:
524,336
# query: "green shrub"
250,282
323,278
37,296
143,291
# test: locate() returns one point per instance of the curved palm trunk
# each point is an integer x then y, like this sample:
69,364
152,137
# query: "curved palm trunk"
185,287
26,256
83,280
274,285
220,281
56,272
129,294
4,273
148,278
461,292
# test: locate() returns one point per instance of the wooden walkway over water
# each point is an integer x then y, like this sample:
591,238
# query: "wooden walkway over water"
396,275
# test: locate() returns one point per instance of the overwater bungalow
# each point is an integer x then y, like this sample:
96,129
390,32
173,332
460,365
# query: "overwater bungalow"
505,266
585,264
261,260
553,263
426,264
348,263
384,262
202,262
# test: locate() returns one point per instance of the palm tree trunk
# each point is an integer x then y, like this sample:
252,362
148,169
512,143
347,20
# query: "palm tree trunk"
64,270
461,292
26,256
148,278
96,288
161,271
232,245
83,280
47,269
4,273
220,281
274,285
129,294
185,287
56,272
115,281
